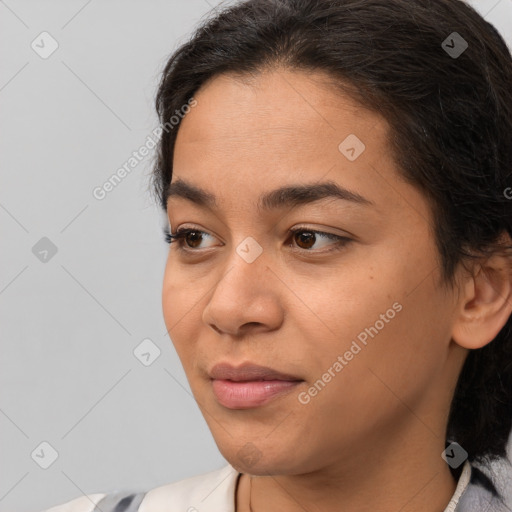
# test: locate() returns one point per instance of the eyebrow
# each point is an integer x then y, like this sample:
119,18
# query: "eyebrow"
286,196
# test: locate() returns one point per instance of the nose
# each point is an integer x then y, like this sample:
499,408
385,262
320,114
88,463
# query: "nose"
246,298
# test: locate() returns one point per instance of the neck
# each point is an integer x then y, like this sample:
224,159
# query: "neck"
410,477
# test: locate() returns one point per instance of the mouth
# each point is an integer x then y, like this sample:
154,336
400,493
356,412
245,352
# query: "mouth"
249,385
248,372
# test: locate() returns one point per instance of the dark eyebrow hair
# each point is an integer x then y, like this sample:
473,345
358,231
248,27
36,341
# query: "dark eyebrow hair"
287,196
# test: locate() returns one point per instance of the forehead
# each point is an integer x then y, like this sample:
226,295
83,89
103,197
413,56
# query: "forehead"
276,105
246,136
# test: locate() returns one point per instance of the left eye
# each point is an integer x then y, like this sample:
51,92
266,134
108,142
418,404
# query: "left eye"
305,236
308,237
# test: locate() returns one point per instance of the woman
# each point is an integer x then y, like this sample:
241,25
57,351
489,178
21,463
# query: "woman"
339,281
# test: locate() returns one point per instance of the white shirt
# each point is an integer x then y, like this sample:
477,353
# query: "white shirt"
209,492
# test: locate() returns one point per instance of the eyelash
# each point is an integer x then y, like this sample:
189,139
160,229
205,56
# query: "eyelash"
181,234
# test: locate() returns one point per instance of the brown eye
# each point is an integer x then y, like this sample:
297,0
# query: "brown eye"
305,239
193,238
186,238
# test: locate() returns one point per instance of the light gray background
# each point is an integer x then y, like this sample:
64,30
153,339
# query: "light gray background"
70,325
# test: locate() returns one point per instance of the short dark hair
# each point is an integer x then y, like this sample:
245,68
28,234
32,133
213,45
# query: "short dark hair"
450,120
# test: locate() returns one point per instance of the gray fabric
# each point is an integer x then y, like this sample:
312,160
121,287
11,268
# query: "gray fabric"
489,489
120,502
478,499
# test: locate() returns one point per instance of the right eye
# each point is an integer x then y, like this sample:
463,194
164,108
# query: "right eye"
184,235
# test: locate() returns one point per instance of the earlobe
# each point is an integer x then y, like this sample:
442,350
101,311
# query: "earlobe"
485,303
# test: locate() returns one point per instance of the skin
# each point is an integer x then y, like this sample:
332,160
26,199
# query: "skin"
372,438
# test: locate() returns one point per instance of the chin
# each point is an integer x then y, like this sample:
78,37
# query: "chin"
255,459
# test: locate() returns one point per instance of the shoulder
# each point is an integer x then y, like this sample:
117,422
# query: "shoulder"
213,491
490,488
122,501
83,504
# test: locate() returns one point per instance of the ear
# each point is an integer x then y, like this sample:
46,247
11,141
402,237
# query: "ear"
485,301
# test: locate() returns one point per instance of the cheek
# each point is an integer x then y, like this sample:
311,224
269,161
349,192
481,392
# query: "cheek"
180,293
171,295
346,306
180,307
374,323
366,391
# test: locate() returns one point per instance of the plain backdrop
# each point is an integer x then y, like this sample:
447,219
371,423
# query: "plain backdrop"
93,397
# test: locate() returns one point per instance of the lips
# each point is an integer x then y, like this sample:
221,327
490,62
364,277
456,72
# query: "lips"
249,385
248,372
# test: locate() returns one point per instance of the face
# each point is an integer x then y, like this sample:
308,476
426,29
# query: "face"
349,306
